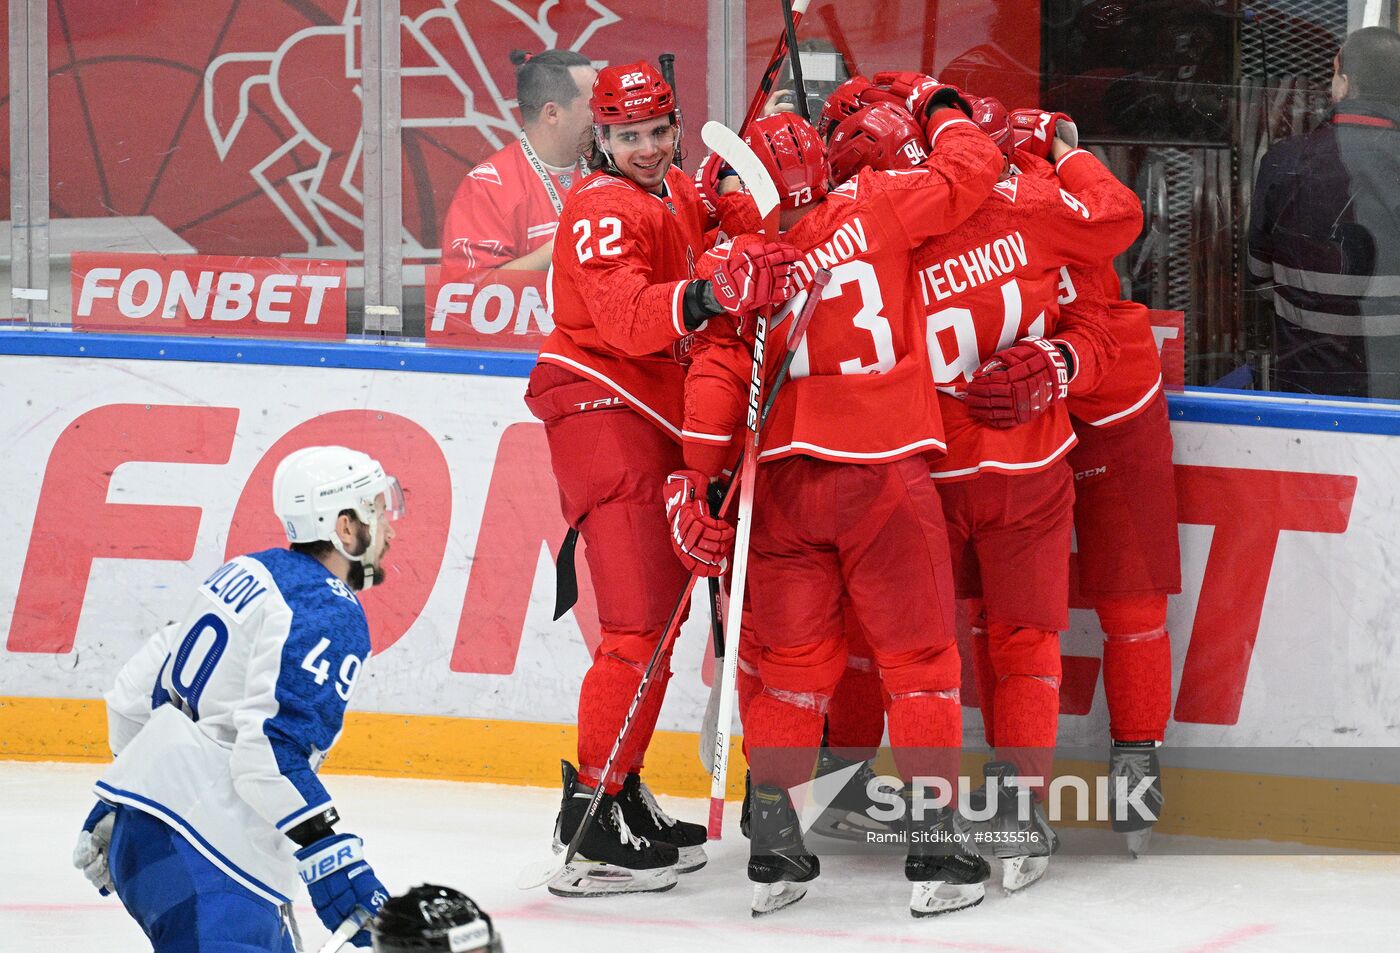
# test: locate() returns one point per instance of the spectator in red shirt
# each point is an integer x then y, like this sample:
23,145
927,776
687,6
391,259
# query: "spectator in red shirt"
506,209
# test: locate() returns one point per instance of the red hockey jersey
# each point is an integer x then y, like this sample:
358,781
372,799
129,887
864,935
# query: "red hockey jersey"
622,259
998,278
501,212
1136,377
1129,385
858,389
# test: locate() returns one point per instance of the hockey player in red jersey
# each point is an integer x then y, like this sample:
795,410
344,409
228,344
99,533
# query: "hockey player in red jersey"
609,389
989,292
843,503
1124,519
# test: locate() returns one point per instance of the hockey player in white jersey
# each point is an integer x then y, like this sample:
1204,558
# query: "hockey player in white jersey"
219,723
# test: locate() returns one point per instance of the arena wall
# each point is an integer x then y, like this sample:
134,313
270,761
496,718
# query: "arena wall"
135,465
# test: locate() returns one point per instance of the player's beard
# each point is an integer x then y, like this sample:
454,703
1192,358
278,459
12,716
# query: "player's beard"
356,579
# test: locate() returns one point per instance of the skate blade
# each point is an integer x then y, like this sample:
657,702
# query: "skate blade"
1138,841
934,897
691,859
1018,873
770,897
585,879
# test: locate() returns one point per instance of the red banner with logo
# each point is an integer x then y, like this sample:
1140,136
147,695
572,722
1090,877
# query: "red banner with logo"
492,309
209,295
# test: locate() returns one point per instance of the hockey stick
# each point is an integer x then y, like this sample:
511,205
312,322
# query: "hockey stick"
737,154
667,61
765,196
799,88
709,726
770,72
353,924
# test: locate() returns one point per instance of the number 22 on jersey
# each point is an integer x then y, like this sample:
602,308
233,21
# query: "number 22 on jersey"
608,233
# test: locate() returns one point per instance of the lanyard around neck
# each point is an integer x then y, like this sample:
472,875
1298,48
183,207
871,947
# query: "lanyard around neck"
543,173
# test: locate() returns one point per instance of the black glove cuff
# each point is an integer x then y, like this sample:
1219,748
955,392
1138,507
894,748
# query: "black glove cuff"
1070,364
950,98
699,304
313,829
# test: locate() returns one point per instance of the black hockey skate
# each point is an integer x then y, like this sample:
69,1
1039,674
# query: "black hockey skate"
646,818
778,859
943,864
1021,836
1135,775
610,859
849,814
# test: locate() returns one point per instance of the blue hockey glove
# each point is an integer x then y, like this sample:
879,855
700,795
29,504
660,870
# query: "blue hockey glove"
339,881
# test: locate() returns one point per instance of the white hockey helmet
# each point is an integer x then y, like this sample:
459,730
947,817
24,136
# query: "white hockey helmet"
312,486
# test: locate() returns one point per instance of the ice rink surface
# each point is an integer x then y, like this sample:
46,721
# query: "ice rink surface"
476,837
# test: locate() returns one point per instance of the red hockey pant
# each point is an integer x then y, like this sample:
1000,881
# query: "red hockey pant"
874,534
610,465
1010,540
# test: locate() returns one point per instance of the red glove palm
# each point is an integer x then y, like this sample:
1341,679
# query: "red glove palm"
1020,383
760,275
1035,130
916,92
702,543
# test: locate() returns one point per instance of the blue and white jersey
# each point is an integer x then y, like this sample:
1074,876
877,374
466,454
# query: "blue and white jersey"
221,720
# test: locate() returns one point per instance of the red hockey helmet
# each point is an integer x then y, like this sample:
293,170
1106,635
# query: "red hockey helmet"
991,116
844,101
792,152
631,93
881,136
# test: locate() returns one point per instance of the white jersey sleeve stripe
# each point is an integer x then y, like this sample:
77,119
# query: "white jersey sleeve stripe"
156,809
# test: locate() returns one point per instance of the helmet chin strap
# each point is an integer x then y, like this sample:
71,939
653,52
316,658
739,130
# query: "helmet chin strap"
600,142
372,571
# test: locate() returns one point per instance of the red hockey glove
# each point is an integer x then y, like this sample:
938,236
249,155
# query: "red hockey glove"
707,178
918,93
1036,129
760,276
702,543
1020,383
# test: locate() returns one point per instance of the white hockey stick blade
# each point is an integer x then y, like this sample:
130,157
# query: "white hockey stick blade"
537,873
352,925
720,139
711,723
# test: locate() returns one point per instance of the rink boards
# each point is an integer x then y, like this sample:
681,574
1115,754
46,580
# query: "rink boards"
131,475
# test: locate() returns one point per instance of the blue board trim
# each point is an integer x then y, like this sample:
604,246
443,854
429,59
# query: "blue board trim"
351,354
1285,411
1195,405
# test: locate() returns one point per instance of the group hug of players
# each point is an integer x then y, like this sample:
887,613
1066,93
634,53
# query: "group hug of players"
970,391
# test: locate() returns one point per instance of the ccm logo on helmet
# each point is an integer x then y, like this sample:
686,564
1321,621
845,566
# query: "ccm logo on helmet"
636,102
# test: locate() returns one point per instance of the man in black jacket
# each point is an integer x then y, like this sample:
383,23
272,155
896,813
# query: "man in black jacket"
1324,234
